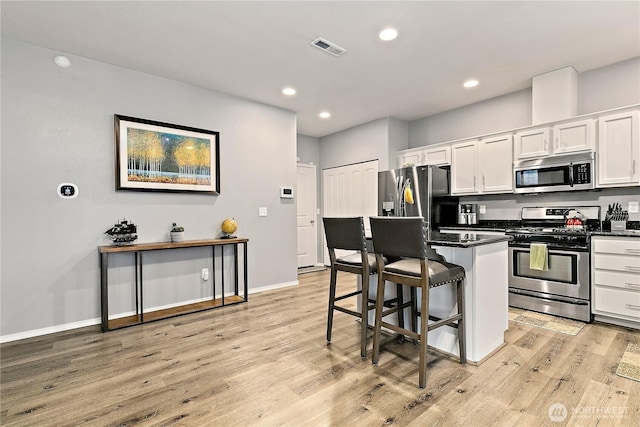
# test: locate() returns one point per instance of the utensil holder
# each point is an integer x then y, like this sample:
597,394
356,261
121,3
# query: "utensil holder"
618,225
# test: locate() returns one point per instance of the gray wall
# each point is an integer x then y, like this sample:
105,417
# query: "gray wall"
398,140
369,141
308,149
509,206
616,85
57,126
496,114
613,86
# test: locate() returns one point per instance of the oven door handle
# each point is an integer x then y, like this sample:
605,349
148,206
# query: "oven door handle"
551,249
556,298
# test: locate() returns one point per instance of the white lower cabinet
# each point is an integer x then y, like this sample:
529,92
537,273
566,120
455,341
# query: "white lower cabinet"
615,280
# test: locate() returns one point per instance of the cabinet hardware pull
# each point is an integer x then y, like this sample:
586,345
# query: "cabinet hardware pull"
546,145
632,307
632,285
632,251
632,268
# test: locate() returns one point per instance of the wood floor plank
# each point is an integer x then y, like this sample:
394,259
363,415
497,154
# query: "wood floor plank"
267,363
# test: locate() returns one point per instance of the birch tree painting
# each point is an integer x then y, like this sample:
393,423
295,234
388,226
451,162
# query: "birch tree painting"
166,157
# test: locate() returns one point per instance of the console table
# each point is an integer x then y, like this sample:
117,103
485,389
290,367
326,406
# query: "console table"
138,249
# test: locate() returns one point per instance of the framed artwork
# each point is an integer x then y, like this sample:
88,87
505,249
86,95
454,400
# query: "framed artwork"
156,156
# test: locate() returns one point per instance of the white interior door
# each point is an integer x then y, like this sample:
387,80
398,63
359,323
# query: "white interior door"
307,217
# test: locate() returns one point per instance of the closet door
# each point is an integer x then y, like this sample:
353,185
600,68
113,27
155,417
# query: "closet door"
349,191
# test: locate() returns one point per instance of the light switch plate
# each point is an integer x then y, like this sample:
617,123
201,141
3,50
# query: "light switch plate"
483,209
262,211
633,207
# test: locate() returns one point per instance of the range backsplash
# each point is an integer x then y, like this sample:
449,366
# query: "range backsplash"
508,206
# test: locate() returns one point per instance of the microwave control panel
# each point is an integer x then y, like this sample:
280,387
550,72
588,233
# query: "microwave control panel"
582,173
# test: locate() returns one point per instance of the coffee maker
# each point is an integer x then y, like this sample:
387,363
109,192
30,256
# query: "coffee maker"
467,213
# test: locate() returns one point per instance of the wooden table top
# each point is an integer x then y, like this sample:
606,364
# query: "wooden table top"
169,245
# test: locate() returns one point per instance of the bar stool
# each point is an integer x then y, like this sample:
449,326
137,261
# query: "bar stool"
406,238
348,234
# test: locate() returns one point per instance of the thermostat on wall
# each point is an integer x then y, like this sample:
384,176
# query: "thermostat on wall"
67,190
286,193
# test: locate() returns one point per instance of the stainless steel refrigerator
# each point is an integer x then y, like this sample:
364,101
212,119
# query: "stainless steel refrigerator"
418,191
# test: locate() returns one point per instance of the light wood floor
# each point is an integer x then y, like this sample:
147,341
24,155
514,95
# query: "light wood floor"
266,363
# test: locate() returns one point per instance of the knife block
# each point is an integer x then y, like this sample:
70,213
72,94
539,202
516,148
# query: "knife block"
618,225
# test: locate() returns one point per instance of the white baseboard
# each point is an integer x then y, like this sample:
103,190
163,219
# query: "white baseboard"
272,287
96,321
49,330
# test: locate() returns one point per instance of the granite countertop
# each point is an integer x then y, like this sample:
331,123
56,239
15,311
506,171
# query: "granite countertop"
466,240
486,225
626,233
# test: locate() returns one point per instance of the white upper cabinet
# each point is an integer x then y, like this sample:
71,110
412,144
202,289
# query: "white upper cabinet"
440,155
532,143
618,150
567,137
482,166
436,155
464,167
574,136
409,158
495,164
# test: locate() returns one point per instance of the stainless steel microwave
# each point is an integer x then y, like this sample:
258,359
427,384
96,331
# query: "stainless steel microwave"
557,173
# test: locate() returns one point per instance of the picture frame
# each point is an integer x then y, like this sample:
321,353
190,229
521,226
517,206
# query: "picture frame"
157,156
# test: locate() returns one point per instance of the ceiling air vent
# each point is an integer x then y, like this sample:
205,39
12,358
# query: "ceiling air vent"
327,46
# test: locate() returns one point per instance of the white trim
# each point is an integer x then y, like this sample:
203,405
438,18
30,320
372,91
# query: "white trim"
272,287
49,330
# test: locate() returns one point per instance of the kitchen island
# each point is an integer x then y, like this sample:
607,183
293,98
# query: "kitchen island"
485,260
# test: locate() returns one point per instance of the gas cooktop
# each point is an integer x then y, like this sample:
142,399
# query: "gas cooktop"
558,220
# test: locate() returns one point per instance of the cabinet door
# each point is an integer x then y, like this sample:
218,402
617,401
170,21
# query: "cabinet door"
438,156
574,136
496,165
464,160
618,150
350,190
532,143
410,159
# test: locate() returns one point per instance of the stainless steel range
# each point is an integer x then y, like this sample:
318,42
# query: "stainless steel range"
561,284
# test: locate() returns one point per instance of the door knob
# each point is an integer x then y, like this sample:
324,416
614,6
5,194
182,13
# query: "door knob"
313,221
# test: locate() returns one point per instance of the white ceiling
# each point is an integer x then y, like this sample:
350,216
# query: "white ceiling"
254,49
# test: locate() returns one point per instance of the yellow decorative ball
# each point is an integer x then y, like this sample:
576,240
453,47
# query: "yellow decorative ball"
229,226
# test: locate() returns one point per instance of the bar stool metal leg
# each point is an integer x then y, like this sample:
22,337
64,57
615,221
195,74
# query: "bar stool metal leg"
364,316
461,322
332,302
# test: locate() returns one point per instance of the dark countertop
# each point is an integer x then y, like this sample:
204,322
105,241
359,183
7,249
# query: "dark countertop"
486,225
466,240
626,233
471,228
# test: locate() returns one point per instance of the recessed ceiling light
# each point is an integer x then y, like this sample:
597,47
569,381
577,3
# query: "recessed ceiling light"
62,61
289,91
325,115
470,83
388,34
